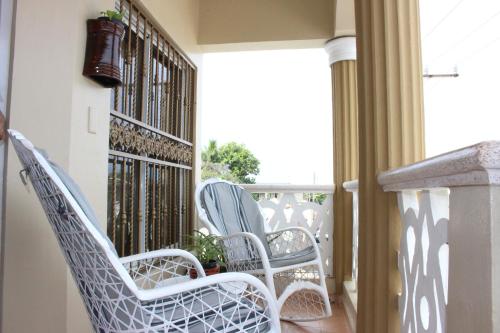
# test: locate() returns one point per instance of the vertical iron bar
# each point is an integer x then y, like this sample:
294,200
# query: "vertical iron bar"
177,96
162,91
141,206
127,65
172,97
145,79
147,208
172,208
157,96
136,65
160,205
167,86
186,102
165,208
151,76
183,100
123,208
153,206
131,221
177,208
113,200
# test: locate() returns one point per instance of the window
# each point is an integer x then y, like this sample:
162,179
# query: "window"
151,140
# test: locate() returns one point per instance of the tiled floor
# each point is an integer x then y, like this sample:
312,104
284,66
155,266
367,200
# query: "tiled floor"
337,323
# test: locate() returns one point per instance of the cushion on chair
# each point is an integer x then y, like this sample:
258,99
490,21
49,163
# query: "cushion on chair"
286,259
231,209
293,258
210,306
77,194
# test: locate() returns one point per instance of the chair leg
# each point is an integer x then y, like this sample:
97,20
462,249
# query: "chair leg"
302,293
304,301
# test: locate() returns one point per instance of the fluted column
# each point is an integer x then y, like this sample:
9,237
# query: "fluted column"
342,52
391,134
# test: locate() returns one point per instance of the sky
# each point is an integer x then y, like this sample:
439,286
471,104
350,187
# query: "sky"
278,103
461,34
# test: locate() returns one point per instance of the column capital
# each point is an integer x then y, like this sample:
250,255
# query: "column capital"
341,48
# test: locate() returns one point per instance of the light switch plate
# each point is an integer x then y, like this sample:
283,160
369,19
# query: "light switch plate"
91,121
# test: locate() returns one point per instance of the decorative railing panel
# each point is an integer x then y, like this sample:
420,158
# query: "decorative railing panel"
423,260
129,136
308,206
150,139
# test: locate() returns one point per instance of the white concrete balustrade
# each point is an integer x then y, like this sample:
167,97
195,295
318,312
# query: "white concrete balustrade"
350,290
449,257
286,206
353,187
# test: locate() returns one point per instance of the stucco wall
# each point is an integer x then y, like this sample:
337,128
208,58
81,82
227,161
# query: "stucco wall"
49,102
180,19
345,24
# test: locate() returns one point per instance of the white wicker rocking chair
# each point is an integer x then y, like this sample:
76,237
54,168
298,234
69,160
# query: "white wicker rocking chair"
148,292
287,260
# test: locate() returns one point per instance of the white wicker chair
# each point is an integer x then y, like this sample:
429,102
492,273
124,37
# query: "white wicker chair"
148,292
287,260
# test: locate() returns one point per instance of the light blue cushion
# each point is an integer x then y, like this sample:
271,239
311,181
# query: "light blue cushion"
77,194
294,258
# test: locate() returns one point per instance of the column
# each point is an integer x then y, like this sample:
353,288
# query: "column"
391,134
342,55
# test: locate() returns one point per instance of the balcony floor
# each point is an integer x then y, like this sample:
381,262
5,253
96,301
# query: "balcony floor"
337,323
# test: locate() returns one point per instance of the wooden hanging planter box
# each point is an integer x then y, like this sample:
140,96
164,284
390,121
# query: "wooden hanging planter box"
103,51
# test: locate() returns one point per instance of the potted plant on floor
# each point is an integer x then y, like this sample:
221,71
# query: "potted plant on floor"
208,251
103,51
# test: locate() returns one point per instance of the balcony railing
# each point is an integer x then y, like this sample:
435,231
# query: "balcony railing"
449,256
307,206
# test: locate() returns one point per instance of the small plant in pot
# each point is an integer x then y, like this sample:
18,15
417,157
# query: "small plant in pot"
112,15
208,251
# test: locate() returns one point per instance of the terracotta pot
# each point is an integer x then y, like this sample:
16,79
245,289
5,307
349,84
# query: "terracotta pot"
103,52
210,269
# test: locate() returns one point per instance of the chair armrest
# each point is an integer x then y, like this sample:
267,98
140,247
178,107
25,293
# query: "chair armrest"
244,289
159,268
243,251
289,240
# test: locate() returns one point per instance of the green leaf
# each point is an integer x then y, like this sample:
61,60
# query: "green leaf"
112,15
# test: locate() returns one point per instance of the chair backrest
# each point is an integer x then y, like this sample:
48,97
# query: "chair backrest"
105,286
230,209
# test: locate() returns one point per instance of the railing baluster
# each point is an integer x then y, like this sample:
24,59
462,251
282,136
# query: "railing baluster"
312,202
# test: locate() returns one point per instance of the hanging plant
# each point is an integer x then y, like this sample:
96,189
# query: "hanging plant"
103,51
112,15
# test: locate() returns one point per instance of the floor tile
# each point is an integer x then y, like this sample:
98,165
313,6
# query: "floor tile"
337,323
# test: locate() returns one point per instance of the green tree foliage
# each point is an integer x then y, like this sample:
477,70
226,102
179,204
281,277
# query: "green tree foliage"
231,161
217,170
